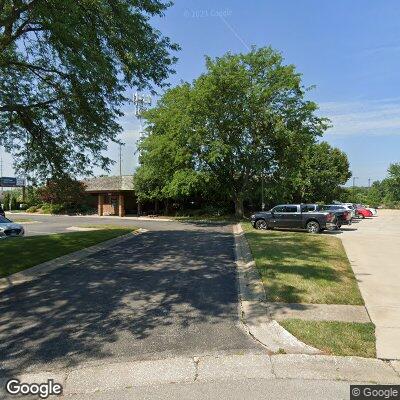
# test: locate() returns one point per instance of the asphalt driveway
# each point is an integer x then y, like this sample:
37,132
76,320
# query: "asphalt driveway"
48,224
374,251
167,292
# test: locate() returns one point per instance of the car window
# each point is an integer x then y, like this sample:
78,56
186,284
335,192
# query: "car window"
4,220
290,209
278,209
305,208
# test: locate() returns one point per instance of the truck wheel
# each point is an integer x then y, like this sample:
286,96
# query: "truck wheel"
313,227
260,224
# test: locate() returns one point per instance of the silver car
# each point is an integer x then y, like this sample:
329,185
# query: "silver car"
9,228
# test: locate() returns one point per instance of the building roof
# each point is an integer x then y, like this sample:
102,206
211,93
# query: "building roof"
109,183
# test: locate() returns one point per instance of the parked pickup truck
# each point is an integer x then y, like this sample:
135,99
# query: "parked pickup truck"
294,216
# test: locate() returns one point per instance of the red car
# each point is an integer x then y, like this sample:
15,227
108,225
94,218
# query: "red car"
363,212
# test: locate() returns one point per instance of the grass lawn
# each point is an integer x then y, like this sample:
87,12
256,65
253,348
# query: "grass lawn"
17,254
335,338
298,267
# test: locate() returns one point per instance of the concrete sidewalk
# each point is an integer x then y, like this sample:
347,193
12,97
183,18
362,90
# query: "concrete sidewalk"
111,378
374,252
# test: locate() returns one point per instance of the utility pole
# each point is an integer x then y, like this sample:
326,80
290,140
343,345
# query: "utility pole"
262,192
120,159
354,181
141,102
369,182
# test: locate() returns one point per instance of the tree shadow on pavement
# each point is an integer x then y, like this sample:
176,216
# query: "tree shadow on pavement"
160,293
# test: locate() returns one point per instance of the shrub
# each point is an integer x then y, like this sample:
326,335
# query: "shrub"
65,191
32,209
52,208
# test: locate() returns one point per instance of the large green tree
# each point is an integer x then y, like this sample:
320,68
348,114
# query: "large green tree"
324,170
64,69
245,117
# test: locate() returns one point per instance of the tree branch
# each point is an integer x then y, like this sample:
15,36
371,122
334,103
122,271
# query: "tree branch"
19,107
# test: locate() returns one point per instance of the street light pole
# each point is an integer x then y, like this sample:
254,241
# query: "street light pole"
354,181
141,102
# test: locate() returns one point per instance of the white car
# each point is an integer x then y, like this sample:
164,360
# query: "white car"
9,228
373,210
350,207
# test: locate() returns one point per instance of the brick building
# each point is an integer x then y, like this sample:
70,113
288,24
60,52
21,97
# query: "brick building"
114,195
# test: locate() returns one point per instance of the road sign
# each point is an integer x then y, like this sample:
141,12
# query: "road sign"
7,181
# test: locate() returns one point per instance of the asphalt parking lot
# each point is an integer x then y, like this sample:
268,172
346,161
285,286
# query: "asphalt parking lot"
167,292
48,224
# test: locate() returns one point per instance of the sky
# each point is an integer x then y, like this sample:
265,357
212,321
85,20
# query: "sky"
350,50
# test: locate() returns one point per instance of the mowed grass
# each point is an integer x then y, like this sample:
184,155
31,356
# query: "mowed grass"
17,254
335,338
299,267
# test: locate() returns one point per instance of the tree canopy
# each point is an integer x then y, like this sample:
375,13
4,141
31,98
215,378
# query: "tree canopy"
64,67
385,192
245,119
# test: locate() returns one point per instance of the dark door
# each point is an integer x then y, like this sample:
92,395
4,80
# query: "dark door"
277,216
291,217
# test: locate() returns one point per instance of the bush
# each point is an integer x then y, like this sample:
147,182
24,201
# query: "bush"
62,191
32,209
52,208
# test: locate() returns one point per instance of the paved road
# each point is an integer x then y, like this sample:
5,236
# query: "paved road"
374,252
167,292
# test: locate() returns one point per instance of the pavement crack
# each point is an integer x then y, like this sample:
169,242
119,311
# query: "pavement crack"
196,361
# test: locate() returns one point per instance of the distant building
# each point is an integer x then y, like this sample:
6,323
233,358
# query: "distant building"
115,194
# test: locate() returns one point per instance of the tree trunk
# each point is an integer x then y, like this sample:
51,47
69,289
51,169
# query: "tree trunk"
166,207
239,212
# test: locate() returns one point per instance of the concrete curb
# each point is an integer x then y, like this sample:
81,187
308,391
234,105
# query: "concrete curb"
214,367
254,314
48,266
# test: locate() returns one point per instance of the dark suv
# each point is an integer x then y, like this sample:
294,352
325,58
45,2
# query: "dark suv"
343,215
294,216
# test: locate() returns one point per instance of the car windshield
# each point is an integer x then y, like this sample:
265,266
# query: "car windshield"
4,220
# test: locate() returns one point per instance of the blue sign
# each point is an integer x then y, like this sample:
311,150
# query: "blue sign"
7,181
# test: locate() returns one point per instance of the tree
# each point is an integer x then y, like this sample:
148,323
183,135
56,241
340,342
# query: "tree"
65,191
65,66
393,183
325,169
245,117
167,169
